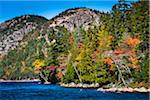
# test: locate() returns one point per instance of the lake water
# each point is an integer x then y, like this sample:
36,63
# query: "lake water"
34,91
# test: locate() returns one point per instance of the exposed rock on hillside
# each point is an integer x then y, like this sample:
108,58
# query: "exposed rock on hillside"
13,31
76,18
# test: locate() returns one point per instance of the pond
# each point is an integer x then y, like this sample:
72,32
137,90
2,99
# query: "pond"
35,91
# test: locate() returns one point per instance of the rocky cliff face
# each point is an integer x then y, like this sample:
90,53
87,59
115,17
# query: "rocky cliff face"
73,19
13,31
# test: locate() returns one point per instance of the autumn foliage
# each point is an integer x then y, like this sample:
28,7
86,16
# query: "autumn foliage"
38,64
108,61
119,52
120,45
133,41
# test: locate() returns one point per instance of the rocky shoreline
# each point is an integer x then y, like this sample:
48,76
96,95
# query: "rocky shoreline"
111,89
26,80
125,89
80,85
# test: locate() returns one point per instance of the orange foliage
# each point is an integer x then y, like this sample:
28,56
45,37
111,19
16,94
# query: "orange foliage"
108,61
134,66
135,60
133,41
60,75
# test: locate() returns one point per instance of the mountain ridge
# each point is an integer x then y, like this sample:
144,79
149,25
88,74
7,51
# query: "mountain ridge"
13,31
71,19
76,18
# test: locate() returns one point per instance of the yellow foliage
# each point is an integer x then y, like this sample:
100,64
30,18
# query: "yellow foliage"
79,57
38,64
104,39
81,54
36,71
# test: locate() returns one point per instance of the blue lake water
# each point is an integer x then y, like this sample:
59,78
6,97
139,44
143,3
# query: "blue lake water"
34,91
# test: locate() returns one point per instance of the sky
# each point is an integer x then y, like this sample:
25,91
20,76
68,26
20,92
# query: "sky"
48,8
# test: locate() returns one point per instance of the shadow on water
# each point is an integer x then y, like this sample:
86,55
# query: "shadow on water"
34,91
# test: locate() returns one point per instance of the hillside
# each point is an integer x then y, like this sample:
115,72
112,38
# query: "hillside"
14,30
82,45
19,32
74,20
77,18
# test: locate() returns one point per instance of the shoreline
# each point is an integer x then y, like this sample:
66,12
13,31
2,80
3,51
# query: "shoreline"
125,89
84,86
26,80
73,85
111,89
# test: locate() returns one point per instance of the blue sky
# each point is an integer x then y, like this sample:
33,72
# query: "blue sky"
12,8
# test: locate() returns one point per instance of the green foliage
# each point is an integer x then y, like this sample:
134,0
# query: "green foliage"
90,71
33,49
140,28
135,24
143,74
70,74
85,50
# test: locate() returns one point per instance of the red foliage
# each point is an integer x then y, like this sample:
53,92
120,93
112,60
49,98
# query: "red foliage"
98,51
118,52
51,68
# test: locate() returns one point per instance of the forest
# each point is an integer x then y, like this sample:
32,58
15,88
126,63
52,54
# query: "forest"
115,52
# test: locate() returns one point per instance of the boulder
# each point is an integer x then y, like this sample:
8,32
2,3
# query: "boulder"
100,89
142,89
